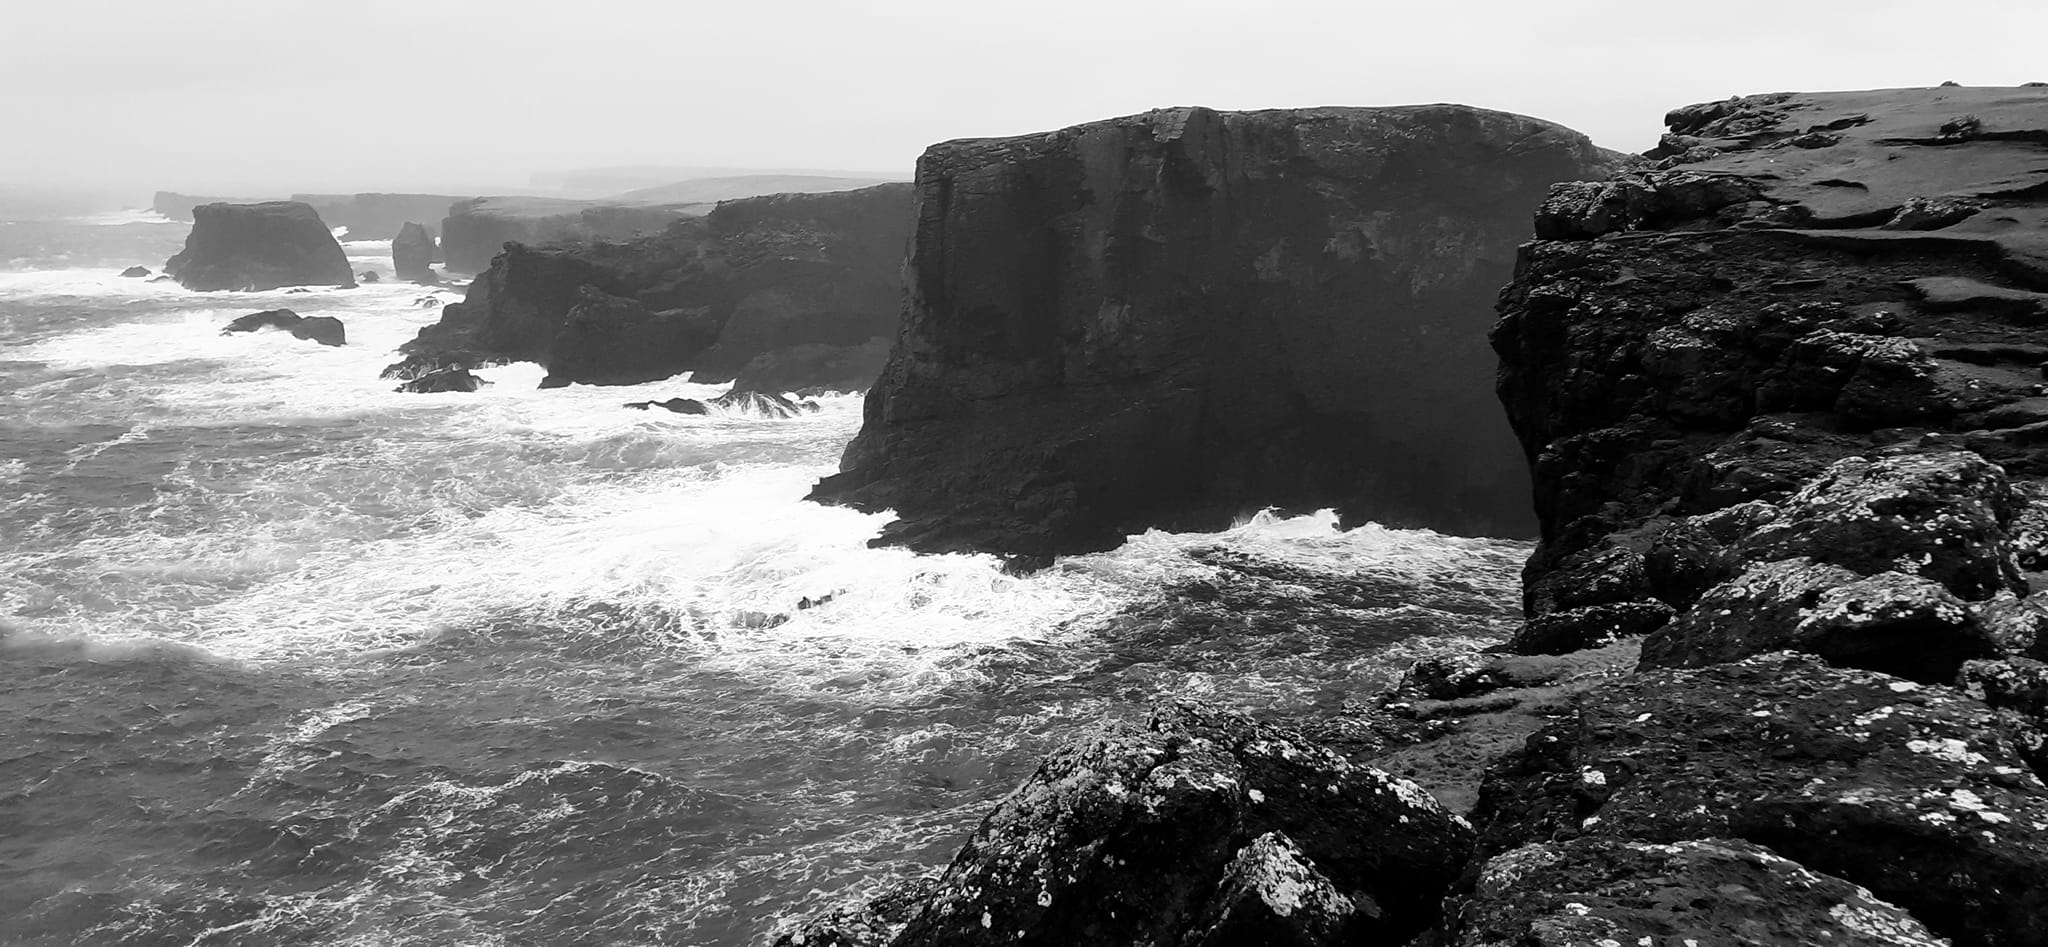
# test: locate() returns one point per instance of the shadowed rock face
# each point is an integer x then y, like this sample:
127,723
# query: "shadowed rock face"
259,247
412,254
755,277
1177,317
476,229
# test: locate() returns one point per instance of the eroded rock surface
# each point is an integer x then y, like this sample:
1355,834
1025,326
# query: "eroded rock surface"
1174,318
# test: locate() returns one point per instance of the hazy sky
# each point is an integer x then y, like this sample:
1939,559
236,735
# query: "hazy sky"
239,96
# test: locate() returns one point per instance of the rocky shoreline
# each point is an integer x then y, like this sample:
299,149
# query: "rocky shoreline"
1780,385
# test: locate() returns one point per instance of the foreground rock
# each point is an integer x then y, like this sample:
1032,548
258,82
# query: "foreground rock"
797,280
1122,839
1917,793
1604,891
412,254
325,330
259,247
1175,318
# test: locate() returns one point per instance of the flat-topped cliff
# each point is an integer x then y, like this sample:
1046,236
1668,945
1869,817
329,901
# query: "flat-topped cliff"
1175,318
258,247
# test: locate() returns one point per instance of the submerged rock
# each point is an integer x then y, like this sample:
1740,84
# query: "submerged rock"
259,247
446,379
1175,318
325,330
135,272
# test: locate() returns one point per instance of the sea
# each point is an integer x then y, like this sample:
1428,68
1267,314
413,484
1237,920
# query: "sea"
290,658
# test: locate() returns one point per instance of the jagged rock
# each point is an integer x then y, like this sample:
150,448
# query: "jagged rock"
135,272
1121,838
446,379
412,254
325,330
612,340
1913,792
1712,891
754,277
1077,361
678,405
1589,626
413,366
870,923
1272,894
258,247
763,404
1891,622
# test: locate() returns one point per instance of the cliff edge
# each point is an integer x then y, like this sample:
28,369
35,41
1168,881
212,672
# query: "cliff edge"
1175,318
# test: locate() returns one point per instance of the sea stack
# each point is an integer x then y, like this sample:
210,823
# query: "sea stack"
259,247
412,254
1175,318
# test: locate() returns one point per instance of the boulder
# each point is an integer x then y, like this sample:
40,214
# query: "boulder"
1195,828
613,340
1710,891
412,254
259,247
446,379
325,330
1917,793
135,272
1175,318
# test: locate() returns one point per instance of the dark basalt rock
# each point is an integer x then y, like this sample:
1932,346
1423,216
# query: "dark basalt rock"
758,277
259,247
413,366
1271,893
1158,833
677,405
446,379
368,276
135,272
763,404
325,330
1713,891
1916,793
412,254
815,367
1177,317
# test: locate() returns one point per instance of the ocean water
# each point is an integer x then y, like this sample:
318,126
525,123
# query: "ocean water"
287,657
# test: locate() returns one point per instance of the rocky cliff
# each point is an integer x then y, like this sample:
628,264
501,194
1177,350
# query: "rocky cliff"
804,282
1178,317
259,247
475,230
1785,670
413,252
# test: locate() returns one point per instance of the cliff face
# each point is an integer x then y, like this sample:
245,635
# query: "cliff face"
413,252
1178,317
754,278
259,247
475,230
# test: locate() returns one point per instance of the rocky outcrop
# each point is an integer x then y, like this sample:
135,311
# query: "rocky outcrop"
259,247
325,330
476,229
444,379
135,272
1175,318
412,254
759,277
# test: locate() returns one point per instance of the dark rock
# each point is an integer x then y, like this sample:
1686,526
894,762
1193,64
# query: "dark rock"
160,279
1915,793
613,340
1891,622
412,254
764,276
325,330
815,367
1077,363
475,229
413,366
1589,626
446,379
1712,891
135,272
678,405
1122,838
367,276
763,404
258,247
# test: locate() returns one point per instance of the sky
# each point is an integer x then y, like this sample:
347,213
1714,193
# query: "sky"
244,97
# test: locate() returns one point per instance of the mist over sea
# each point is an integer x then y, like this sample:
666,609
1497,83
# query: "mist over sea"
290,658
